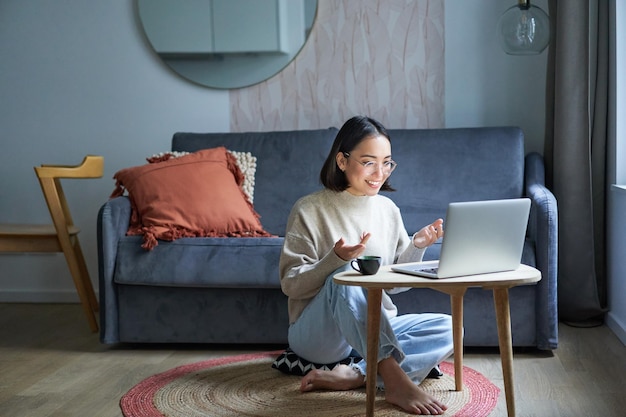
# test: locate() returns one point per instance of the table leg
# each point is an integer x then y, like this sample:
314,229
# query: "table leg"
457,338
503,317
374,297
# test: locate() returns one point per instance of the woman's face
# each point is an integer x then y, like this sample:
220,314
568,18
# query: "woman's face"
366,180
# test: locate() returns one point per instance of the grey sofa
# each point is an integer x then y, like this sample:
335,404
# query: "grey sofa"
227,290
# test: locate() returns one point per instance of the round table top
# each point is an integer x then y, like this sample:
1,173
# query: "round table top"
386,279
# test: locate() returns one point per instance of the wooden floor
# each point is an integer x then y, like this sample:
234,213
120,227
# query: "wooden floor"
52,365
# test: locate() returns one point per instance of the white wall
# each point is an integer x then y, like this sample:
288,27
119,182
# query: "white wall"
78,77
485,86
616,318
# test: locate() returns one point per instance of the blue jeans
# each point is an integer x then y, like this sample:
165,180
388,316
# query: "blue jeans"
335,323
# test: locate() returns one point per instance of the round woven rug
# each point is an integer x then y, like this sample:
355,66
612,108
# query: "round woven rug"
247,385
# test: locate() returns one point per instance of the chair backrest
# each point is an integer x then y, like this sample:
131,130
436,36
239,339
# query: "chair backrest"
50,176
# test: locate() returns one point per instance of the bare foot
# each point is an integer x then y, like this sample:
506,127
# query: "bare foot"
415,400
341,378
401,391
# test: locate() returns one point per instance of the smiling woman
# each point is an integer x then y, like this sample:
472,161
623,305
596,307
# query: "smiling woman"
227,43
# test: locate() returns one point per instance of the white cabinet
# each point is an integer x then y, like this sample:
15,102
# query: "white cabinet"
216,26
175,26
249,26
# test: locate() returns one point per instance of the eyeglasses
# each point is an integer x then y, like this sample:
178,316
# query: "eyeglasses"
372,167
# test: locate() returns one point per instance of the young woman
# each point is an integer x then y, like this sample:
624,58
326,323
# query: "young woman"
346,219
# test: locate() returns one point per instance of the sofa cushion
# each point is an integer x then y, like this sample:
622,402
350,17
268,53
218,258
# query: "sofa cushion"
439,166
207,262
435,167
196,195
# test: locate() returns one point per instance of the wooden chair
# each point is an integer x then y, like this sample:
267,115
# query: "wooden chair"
62,234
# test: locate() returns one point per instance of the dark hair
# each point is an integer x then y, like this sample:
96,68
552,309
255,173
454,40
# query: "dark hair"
353,132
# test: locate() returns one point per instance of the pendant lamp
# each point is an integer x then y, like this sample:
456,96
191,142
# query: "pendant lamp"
524,29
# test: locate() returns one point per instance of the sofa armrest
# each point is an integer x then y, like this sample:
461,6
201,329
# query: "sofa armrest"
113,221
543,231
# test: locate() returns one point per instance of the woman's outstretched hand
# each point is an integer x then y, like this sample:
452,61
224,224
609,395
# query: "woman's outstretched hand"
428,234
347,252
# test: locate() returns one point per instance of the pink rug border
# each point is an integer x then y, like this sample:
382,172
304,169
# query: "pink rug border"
142,394
483,393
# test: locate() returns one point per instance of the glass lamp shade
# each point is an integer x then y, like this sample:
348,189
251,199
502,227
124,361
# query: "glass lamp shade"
524,29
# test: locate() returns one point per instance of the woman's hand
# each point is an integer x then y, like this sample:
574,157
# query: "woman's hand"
347,252
428,234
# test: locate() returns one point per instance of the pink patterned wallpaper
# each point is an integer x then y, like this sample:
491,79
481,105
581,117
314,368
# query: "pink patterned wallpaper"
381,58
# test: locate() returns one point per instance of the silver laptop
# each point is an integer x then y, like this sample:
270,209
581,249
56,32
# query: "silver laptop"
480,237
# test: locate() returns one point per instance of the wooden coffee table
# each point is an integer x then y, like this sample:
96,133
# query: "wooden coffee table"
499,282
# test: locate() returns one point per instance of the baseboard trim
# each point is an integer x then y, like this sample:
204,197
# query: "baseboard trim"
617,327
39,296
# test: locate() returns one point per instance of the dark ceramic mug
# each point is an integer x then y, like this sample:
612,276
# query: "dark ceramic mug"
366,265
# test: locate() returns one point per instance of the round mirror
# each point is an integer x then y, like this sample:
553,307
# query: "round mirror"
227,43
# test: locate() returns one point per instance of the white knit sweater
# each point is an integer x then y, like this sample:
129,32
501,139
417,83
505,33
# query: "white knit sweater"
319,220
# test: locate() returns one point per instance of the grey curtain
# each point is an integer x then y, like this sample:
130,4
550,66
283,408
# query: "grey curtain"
575,152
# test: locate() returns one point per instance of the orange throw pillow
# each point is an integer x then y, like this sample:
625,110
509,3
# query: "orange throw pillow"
196,195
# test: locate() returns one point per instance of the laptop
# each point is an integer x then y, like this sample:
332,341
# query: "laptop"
480,237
